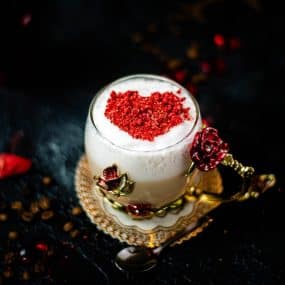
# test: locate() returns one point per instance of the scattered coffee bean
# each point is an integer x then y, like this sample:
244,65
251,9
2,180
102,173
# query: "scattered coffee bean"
27,216
198,78
3,217
16,205
173,63
12,235
50,252
44,203
46,180
34,207
9,257
7,273
26,275
192,52
74,233
39,267
46,215
76,211
67,226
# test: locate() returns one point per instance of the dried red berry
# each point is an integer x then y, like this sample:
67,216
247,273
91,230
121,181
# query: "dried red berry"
219,40
11,164
180,75
205,67
41,246
208,149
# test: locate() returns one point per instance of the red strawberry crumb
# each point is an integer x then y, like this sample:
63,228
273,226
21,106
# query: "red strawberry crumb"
146,117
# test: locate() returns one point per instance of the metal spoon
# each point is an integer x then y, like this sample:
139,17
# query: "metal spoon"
141,259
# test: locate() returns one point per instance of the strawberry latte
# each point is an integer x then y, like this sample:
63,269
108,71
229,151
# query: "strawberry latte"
137,139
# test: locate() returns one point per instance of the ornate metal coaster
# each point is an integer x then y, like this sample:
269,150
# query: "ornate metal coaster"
133,234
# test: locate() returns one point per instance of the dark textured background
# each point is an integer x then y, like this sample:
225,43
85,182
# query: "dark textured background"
49,72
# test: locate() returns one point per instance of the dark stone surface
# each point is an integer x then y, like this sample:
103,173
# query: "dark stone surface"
49,82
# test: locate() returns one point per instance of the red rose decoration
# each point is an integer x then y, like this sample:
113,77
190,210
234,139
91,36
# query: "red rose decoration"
139,210
208,149
110,173
110,179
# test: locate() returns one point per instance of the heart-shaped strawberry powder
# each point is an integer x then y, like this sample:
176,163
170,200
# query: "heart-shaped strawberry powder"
146,117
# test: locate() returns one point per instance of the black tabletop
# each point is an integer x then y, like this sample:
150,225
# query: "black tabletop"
55,55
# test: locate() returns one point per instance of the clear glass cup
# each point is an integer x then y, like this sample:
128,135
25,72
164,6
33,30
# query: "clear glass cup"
159,174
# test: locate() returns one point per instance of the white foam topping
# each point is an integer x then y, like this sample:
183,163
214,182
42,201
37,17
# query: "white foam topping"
145,86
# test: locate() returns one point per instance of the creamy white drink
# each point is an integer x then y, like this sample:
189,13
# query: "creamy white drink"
156,166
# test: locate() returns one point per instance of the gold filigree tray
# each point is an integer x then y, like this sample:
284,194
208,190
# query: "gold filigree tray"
134,235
